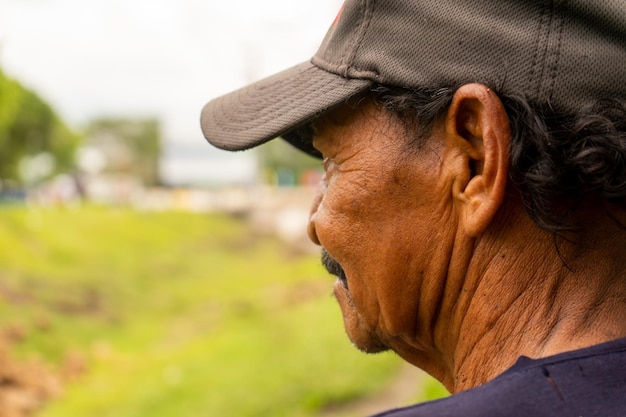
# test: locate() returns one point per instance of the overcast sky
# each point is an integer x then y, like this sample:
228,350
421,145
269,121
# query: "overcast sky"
163,58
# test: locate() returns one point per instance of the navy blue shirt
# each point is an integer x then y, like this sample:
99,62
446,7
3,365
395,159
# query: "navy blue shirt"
589,382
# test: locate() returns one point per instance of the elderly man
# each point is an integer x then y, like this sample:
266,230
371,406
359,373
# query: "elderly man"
473,206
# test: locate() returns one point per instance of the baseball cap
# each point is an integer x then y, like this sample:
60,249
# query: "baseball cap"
561,53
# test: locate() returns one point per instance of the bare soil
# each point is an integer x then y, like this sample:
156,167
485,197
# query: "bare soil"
25,386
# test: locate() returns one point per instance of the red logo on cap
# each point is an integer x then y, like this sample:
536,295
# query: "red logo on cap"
336,22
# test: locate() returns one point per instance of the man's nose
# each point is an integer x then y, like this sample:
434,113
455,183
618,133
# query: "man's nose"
315,205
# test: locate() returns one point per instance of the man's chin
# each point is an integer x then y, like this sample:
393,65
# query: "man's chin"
363,338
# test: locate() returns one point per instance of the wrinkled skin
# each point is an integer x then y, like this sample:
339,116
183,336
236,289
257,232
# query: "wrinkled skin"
378,215
434,263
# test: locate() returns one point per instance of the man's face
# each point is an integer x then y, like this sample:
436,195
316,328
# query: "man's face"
380,218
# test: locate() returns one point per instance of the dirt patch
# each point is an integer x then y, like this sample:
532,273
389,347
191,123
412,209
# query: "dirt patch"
28,384
25,386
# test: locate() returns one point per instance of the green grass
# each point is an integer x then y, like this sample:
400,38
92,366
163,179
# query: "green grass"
176,314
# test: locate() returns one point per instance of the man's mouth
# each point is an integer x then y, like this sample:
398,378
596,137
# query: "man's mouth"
333,267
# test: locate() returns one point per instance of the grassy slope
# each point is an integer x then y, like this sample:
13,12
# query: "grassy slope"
176,314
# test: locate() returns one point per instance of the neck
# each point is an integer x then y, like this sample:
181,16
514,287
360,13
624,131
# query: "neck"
523,300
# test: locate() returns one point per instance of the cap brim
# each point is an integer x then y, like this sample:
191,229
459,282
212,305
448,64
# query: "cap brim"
275,106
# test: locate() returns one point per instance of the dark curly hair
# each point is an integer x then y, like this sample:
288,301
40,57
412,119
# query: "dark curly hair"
557,160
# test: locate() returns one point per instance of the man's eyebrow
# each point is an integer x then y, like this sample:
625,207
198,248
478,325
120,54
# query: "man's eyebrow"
307,132
315,132
312,128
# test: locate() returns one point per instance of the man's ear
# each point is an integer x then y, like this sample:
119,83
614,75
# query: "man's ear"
477,129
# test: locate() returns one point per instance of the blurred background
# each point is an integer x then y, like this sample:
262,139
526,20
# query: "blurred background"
143,272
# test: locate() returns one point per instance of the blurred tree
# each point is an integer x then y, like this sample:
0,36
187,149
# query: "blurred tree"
282,160
30,127
131,146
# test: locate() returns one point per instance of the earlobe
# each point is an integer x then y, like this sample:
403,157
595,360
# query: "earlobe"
477,126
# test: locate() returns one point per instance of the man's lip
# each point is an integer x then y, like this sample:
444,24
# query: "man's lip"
342,277
333,267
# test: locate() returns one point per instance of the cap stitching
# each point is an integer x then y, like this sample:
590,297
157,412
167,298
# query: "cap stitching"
344,62
557,52
348,62
544,82
535,58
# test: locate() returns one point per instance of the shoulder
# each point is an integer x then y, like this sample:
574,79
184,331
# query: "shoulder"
587,382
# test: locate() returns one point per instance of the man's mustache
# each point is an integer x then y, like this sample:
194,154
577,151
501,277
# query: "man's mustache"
333,267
